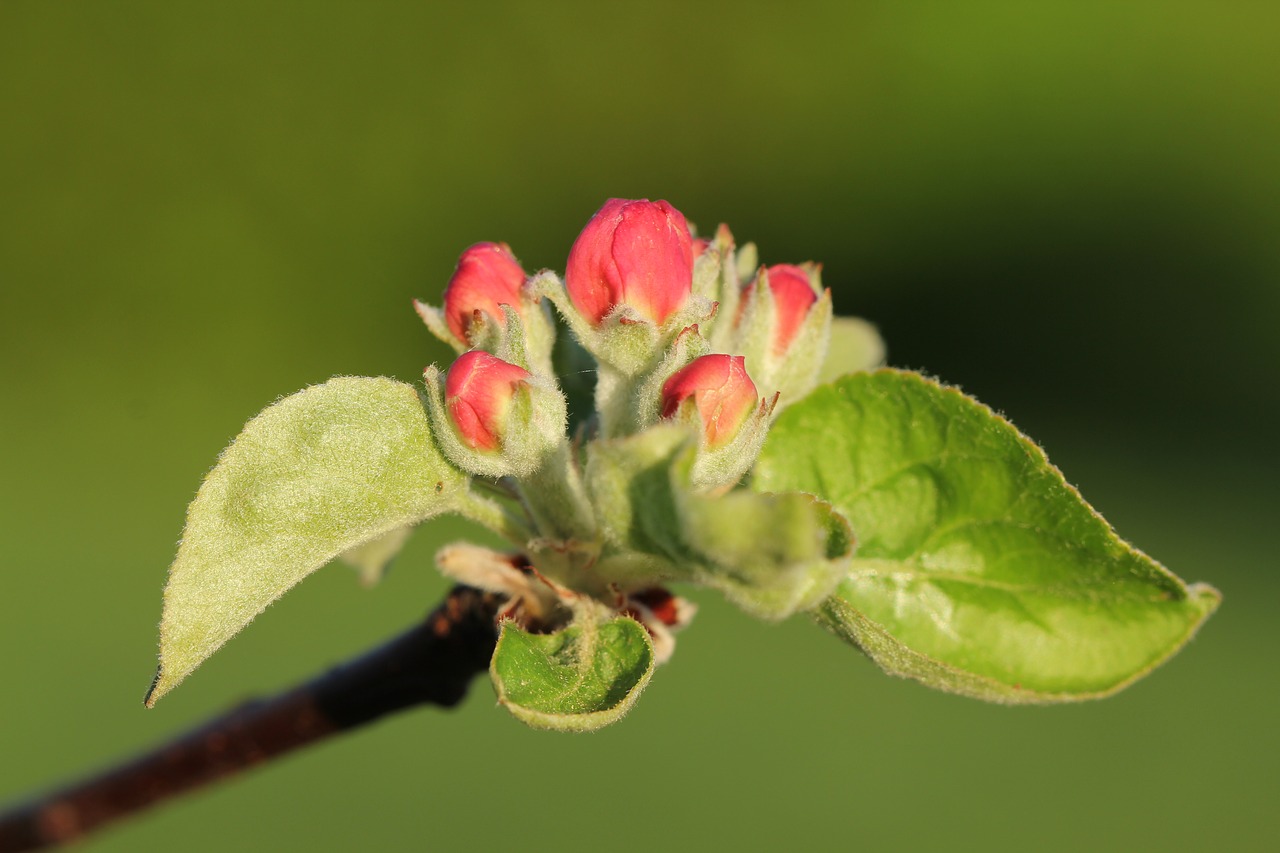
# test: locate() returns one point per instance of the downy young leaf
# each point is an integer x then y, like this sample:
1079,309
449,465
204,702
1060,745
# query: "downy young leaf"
979,569
771,554
316,474
579,679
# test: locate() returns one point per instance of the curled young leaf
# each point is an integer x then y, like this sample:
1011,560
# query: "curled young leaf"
979,569
315,475
771,554
579,679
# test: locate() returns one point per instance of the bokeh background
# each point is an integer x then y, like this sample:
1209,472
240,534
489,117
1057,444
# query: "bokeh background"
1069,209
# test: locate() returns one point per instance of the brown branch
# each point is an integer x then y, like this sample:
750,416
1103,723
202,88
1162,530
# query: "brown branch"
432,664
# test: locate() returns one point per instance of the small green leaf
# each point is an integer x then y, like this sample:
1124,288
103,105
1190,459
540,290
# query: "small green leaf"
979,569
855,345
372,559
317,474
579,679
769,554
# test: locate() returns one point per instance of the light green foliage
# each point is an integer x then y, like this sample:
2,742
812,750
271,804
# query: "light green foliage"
979,569
579,679
372,559
317,474
770,554
855,345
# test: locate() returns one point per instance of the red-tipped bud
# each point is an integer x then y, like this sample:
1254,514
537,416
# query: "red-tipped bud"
720,390
488,275
478,392
637,253
793,296
700,245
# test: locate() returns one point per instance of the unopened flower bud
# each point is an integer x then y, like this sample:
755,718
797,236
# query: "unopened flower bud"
488,276
793,296
478,392
716,388
634,253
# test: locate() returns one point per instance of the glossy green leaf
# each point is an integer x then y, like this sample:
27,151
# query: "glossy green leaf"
579,679
979,569
315,475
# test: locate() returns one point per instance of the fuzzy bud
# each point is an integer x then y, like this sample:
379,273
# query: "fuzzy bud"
793,296
718,389
488,276
478,392
634,253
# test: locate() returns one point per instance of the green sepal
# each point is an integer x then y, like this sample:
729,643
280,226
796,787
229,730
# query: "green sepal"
794,373
578,679
706,275
526,337
316,474
980,570
728,292
533,430
433,318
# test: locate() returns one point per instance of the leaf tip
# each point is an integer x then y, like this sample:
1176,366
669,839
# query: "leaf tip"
153,692
1207,598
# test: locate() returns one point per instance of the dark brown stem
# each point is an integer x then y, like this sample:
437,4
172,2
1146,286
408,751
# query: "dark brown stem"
431,664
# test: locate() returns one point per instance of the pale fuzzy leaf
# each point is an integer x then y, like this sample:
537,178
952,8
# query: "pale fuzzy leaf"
318,473
579,679
979,570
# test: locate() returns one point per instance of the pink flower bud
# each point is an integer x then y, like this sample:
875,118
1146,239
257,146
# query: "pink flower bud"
637,253
793,296
478,392
488,275
719,388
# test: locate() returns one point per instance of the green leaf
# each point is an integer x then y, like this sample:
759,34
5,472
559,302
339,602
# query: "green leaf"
372,559
317,474
979,569
855,345
579,679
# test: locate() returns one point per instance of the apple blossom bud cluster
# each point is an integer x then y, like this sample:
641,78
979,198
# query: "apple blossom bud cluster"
689,341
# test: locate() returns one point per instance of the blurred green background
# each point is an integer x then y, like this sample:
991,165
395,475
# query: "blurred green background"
1070,209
